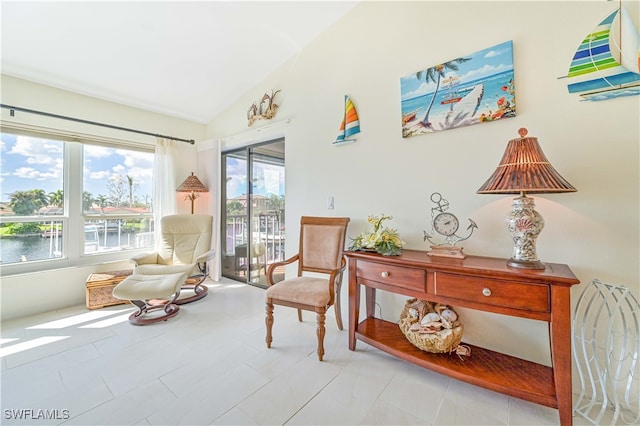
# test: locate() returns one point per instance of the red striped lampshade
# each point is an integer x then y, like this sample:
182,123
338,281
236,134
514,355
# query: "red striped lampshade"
524,168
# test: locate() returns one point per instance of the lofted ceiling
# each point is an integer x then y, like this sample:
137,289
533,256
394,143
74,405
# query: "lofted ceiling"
187,59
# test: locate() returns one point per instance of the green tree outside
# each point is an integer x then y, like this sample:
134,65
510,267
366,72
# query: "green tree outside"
56,198
87,201
25,203
103,201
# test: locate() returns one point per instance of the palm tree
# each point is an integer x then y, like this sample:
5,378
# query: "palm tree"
435,74
130,182
24,203
40,198
87,201
102,201
56,198
20,203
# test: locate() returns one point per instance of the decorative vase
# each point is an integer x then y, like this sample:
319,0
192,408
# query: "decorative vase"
524,224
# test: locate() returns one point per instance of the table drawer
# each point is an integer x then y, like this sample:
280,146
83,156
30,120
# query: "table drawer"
397,276
509,294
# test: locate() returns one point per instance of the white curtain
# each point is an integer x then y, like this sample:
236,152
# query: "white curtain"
209,158
217,208
164,182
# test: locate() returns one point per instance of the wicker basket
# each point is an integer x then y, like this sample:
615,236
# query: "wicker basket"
445,340
99,288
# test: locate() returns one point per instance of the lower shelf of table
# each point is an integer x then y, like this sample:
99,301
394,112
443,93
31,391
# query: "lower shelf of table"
485,368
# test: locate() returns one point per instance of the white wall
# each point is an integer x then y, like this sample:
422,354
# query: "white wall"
36,292
595,146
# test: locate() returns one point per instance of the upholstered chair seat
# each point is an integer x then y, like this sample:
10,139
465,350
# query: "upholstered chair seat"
303,290
159,269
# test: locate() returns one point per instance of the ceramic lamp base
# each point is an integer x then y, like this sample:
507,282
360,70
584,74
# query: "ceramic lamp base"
524,224
525,264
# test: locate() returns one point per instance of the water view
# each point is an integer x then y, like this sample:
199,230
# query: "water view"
111,184
42,247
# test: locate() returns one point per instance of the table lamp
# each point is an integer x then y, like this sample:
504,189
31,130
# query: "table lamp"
524,168
192,185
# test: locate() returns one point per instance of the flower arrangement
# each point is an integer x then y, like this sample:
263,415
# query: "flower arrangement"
383,240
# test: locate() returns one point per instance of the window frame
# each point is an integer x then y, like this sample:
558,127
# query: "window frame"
73,236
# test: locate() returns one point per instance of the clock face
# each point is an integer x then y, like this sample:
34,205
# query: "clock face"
445,224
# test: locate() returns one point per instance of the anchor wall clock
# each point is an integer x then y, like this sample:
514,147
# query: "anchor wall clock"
446,225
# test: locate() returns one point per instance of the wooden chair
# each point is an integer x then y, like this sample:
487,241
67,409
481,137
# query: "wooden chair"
321,248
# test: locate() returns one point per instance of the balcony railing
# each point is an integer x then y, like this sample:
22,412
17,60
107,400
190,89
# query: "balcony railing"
267,243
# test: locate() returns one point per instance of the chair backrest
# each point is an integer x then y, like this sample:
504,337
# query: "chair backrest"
321,243
184,238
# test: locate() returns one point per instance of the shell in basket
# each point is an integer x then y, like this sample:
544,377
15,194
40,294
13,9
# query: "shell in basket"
430,326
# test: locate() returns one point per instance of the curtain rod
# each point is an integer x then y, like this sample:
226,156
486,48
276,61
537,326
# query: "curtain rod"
94,123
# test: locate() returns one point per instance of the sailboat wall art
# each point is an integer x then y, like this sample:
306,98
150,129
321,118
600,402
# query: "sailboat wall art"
350,125
606,64
472,89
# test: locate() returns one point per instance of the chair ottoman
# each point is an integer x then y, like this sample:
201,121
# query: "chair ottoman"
151,293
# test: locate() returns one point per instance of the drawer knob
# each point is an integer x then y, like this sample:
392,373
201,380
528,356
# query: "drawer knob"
486,292
384,274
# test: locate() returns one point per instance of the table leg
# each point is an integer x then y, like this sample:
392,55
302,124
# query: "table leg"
371,301
560,334
354,304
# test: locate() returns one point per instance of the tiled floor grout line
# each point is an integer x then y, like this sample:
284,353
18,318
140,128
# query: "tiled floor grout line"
102,353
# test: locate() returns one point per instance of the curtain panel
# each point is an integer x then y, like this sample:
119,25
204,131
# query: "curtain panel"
164,183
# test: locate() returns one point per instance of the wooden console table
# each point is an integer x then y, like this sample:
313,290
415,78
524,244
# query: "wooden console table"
481,283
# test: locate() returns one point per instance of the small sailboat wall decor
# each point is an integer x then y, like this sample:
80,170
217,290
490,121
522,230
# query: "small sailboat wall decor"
606,65
350,125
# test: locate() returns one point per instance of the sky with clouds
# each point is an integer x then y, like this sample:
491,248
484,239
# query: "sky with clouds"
269,179
32,163
483,63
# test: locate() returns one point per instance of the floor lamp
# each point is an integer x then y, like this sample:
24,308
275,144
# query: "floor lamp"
191,185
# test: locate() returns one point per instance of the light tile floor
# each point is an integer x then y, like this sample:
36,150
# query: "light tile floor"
210,365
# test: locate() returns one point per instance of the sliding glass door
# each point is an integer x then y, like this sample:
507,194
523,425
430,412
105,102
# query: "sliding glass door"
253,211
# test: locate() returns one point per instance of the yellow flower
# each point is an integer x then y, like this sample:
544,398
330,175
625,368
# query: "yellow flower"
384,240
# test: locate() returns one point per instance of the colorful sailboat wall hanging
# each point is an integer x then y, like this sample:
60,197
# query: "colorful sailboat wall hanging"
350,125
607,62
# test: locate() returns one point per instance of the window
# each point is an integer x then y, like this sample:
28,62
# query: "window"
116,199
65,203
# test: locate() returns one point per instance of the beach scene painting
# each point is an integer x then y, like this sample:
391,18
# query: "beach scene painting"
472,89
